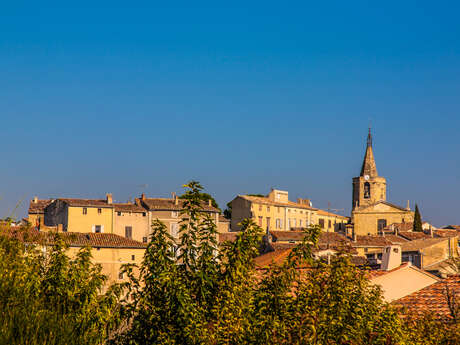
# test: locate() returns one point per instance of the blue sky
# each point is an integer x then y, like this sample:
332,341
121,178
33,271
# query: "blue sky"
242,97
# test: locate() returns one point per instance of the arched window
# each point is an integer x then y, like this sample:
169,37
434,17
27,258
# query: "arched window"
367,190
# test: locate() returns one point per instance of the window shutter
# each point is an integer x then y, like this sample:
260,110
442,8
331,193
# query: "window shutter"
93,228
102,228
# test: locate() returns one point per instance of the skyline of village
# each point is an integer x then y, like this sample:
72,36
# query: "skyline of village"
337,206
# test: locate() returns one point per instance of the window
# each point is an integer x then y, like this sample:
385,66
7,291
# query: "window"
260,207
97,228
144,239
367,190
85,210
118,213
366,250
174,214
268,223
133,257
381,224
300,223
321,223
174,229
278,209
260,221
329,223
99,210
268,208
379,256
128,231
121,276
144,214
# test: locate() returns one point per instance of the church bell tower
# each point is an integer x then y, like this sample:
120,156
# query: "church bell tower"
368,187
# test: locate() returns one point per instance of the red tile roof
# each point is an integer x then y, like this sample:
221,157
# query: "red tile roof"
276,257
432,299
169,204
86,202
128,207
39,206
395,239
416,245
445,233
287,235
227,236
371,241
73,239
413,235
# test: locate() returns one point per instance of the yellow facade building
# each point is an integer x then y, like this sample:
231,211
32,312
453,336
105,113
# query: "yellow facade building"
81,215
276,212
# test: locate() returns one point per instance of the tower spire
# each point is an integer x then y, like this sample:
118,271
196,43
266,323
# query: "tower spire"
369,138
369,167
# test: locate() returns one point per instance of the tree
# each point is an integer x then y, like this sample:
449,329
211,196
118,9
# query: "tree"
47,297
417,220
204,197
191,291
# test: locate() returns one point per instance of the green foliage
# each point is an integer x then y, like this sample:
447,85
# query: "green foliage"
48,298
417,220
204,197
192,292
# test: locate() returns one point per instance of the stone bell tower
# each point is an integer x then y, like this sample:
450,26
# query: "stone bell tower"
368,187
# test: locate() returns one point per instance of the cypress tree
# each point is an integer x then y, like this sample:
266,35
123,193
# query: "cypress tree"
417,220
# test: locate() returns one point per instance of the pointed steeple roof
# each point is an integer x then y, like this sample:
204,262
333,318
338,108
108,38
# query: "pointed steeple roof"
369,167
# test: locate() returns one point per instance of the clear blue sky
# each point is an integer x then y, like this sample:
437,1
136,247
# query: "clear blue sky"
242,97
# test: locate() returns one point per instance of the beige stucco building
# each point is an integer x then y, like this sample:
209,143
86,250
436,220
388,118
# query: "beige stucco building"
276,212
131,221
168,211
371,213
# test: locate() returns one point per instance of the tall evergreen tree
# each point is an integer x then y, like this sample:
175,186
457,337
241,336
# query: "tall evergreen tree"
417,220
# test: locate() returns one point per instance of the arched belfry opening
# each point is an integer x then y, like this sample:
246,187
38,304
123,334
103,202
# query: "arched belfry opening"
367,190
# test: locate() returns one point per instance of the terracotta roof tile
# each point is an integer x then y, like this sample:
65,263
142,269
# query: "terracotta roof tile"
39,206
74,239
432,298
395,239
413,235
415,245
87,202
128,207
276,257
371,241
445,233
227,236
169,204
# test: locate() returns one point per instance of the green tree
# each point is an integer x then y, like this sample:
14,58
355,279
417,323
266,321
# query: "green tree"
191,291
204,197
47,297
417,220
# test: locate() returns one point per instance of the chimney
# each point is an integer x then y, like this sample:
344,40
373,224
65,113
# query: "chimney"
59,227
176,199
143,196
391,258
35,200
109,198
